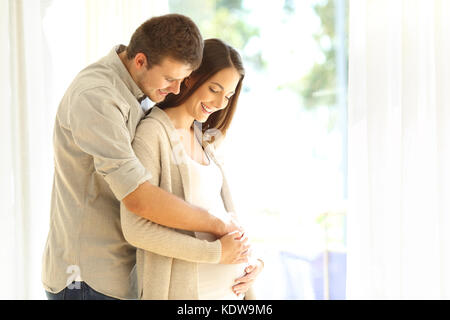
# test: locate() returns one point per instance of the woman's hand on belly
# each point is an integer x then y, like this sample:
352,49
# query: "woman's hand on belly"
251,272
235,248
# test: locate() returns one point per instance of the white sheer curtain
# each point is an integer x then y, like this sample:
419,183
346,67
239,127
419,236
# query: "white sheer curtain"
26,146
399,150
45,43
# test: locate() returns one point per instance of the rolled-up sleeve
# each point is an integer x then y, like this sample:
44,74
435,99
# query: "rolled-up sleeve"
98,126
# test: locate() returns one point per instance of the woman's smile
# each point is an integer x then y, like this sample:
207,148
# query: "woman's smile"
205,109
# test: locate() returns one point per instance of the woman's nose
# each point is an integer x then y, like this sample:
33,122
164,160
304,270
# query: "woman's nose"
222,102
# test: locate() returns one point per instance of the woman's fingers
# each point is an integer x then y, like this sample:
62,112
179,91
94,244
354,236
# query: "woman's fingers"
244,283
241,288
249,268
250,275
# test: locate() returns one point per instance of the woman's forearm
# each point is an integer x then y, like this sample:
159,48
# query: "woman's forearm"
149,236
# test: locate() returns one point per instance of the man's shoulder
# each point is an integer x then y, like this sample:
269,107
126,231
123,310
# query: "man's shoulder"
96,76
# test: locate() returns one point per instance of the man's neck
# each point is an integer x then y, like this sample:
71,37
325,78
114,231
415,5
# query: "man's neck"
128,65
123,57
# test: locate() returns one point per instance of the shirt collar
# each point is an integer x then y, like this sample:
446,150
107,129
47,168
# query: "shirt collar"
113,60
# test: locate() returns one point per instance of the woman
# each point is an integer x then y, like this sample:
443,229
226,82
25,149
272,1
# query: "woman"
175,142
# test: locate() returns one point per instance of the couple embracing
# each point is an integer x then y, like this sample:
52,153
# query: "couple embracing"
141,208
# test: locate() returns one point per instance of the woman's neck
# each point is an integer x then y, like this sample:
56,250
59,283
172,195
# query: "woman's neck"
182,121
180,118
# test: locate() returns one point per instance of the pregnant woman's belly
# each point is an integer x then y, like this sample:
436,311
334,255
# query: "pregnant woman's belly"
216,280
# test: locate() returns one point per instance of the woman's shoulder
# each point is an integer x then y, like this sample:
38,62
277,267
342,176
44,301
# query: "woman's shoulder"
150,127
150,134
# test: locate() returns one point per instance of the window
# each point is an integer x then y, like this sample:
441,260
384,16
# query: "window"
286,150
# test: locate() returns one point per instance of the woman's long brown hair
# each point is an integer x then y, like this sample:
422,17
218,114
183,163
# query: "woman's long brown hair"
217,56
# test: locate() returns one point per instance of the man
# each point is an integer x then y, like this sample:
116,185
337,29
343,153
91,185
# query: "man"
86,255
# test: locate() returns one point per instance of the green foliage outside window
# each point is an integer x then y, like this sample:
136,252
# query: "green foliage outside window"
319,86
228,22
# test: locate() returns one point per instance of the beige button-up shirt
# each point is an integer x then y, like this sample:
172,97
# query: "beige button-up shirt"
95,168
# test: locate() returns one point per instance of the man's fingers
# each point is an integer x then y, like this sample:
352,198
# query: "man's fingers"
244,237
237,235
241,260
246,250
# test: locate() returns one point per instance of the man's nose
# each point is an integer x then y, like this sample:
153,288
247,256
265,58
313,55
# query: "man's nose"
175,87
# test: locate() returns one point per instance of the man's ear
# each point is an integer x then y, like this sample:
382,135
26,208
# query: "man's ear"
140,61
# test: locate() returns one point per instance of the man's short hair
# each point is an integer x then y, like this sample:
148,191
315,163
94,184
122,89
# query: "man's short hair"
172,35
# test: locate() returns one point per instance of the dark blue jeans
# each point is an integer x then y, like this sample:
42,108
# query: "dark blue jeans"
79,291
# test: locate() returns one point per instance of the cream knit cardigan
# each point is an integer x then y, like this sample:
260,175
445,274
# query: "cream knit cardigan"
166,258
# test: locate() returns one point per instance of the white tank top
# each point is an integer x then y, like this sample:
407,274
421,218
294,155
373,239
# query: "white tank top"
214,280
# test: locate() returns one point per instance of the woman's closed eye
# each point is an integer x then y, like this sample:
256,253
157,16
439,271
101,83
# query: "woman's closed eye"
213,90
217,91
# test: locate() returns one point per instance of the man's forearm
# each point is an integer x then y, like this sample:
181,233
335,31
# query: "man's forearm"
164,208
